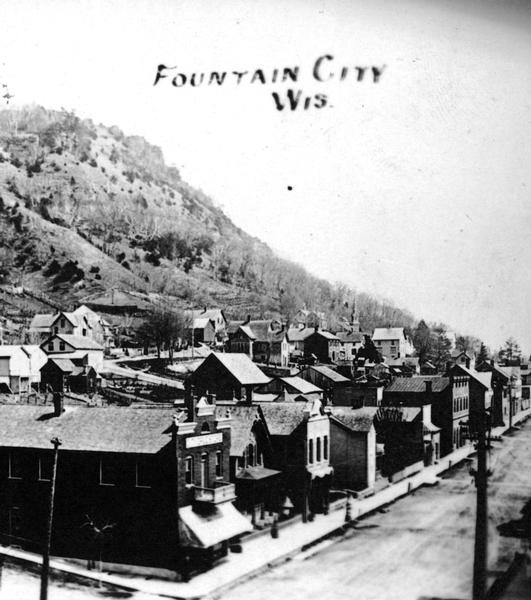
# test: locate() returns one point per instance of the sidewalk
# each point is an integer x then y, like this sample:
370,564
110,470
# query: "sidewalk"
261,552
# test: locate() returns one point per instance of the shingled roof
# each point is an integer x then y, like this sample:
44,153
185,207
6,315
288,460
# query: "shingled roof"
301,385
417,385
131,430
240,366
243,420
358,419
282,418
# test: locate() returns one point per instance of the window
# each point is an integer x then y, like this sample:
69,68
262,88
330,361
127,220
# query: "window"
188,469
325,447
219,464
144,473
318,450
84,332
45,467
205,428
108,472
250,455
56,330
310,451
61,346
63,323
50,346
14,520
15,466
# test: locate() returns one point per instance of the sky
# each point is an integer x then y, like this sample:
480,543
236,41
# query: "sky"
414,188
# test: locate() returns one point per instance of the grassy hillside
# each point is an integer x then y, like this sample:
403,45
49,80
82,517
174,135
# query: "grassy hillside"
84,208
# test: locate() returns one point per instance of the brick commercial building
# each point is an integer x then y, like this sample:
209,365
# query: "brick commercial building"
156,480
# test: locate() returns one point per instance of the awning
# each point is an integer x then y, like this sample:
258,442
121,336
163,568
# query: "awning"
206,530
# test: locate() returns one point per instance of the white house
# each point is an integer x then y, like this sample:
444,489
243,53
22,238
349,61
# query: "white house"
74,346
20,367
392,342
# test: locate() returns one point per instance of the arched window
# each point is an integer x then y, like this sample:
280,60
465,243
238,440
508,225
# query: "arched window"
250,455
205,428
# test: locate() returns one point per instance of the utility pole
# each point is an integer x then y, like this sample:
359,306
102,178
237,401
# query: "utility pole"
481,537
46,554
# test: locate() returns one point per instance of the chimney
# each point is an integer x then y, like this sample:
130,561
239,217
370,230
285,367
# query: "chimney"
316,328
58,404
189,400
247,320
467,362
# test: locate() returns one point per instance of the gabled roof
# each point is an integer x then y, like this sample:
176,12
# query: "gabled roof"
417,385
282,418
326,334
42,321
240,366
329,373
483,378
8,351
243,420
213,313
350,336
247,330
201,323
299,335
301,385
78,342
63,364
128,430
358,419
388,333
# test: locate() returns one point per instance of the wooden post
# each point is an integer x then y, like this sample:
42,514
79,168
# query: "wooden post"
480,544
46,554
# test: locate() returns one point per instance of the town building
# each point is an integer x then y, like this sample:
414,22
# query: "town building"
363,392
353,447
264,341
310,319
322,346
294,386
20,368
300,438
349,344
156,481
74,347
325,378
392,342
65,375
297,342
448,398
229,376
480,393
258,488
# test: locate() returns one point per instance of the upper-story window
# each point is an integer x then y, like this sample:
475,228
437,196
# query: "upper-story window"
205,428
318,450
144,473
250,455
63,323
189,469
50,347
56,329
61,346
15,466
219,464
45,464
84,332
310,451
108,472
325,447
